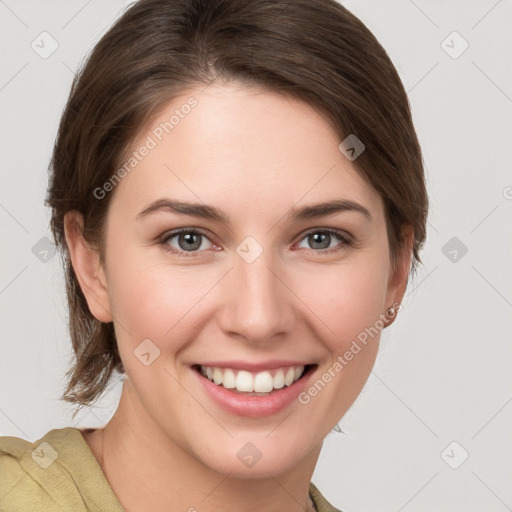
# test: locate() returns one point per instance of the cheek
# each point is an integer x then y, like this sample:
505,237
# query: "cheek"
153,299
345,299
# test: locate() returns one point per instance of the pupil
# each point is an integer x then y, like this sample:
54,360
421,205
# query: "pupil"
191,241
321,238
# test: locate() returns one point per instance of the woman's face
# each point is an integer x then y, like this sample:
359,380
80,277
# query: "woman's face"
262,278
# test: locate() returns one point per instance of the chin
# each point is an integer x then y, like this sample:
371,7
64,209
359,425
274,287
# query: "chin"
248,457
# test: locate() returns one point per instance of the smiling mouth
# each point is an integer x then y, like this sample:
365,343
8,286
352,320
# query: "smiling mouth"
254,383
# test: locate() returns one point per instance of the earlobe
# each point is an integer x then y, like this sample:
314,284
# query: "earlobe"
86,264
399,276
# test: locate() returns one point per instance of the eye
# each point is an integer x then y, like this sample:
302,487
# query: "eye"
182,241
322,239
190,241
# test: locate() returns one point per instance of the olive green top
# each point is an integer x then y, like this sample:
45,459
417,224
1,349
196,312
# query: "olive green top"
59,473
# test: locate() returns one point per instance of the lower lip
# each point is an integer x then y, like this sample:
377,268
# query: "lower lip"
251,405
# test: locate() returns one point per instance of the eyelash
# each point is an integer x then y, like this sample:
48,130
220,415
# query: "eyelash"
345,240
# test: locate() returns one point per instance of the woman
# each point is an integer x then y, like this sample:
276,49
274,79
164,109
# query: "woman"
238,192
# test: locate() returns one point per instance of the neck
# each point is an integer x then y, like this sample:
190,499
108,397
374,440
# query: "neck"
147,477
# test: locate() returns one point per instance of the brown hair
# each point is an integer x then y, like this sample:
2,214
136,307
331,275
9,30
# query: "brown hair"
315,51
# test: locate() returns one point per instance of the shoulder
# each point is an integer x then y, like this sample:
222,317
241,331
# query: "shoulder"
321,504
37,476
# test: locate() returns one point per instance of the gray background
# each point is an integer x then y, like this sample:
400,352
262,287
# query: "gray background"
443,371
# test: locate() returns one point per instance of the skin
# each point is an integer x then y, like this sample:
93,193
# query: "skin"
255,155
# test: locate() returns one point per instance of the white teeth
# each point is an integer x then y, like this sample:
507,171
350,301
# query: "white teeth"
244,381
217,376
229,380
261,382
279,379
289,376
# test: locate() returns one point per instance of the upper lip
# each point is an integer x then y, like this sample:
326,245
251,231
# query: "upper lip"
252,366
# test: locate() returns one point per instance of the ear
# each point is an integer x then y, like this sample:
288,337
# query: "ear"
86,264
398,278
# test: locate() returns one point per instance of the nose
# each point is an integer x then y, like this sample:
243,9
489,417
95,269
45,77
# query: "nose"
259,305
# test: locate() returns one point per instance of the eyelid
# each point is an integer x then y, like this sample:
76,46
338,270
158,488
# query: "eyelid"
164,239
333,231
346,239
187,229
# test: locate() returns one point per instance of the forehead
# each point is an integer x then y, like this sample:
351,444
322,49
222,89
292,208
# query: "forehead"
257,148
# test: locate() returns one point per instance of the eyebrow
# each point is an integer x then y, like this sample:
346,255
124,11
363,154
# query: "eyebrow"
211,213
